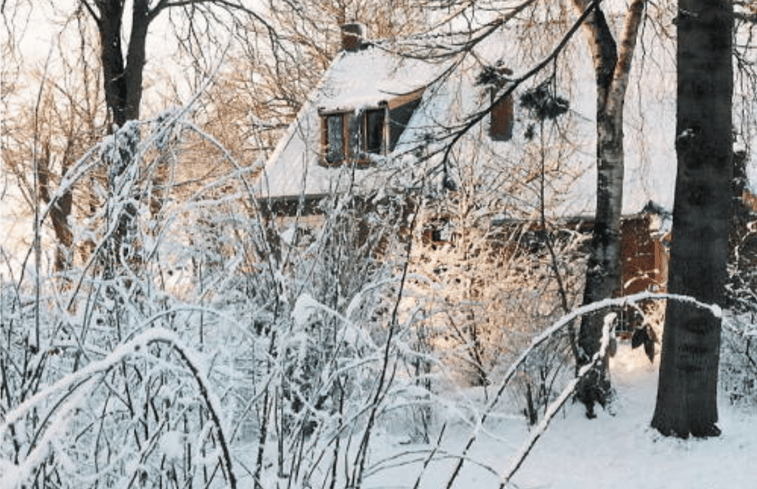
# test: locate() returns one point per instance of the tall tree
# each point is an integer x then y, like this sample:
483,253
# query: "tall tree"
612,67
123,66
687,391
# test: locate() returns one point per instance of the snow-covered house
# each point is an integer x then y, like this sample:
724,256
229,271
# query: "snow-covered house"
381,122
356,117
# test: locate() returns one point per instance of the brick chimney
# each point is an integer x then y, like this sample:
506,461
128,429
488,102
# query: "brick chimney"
353,35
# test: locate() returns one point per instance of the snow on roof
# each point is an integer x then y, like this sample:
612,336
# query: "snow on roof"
363,79
355,80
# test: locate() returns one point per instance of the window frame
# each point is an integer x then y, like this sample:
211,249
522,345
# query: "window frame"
325,155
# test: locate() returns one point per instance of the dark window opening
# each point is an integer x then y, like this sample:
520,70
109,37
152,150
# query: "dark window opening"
374,131
399,116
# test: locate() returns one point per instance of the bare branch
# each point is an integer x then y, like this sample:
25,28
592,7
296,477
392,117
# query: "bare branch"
91,11
162,4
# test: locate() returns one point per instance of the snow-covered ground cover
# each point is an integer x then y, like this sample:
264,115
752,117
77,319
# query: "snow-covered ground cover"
618,449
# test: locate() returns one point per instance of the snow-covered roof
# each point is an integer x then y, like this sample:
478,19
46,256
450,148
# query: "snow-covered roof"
364,79
354,81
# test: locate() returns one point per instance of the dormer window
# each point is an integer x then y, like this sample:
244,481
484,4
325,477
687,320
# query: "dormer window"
347,135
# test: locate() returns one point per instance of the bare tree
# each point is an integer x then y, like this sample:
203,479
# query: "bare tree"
123,66
687,392
50,132
612,67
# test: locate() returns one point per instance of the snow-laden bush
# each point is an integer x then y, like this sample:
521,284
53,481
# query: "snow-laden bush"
192,341
738,359
485,290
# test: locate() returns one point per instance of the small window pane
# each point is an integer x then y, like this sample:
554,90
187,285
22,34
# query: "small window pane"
335,138
374,131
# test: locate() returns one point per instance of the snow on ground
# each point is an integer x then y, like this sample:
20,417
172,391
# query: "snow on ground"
616,450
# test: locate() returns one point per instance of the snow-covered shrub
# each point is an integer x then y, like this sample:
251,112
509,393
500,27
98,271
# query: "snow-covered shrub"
195,331
486,290
122,367
738,359
738,363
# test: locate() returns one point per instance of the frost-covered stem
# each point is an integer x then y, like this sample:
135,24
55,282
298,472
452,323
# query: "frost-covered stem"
337,440
265,419
213,407
357,476
100,432
430,456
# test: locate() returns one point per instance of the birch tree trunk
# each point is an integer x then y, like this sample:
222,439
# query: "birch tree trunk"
687,391
612,66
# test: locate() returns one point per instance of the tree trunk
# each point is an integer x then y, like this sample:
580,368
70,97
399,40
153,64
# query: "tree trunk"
123,85
123,78
135,58
61,208
109,24
687,391
612,67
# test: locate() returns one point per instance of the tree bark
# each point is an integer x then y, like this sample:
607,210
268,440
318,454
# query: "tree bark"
123,77
687,390
109,22
61,209
612,67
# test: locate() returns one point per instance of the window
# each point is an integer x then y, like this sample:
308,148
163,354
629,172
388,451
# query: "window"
335,149
345,135
373,131
349,135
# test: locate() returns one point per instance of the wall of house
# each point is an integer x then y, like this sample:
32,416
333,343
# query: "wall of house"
644,258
